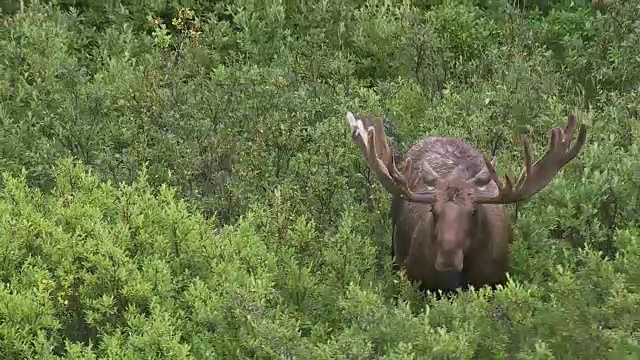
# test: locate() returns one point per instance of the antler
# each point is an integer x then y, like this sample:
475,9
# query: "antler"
373,146
535,177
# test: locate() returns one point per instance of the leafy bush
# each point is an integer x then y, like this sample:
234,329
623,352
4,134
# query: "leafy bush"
181,183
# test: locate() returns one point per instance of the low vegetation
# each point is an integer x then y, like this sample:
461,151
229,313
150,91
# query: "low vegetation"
180,181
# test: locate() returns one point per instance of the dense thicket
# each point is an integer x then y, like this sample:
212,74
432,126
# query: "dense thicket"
181,183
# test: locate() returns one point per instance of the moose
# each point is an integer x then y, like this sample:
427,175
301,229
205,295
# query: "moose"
450,227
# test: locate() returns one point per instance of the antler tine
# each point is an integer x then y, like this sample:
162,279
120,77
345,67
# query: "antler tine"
382,149
358,134
535,177
568,130
528,161
383,164
384,152
577,146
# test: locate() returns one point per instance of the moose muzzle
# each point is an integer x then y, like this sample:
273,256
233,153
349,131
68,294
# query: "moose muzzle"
449,260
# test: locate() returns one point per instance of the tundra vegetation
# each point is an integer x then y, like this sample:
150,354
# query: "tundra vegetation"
180,181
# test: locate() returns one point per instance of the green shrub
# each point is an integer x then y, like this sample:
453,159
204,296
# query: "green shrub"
181,182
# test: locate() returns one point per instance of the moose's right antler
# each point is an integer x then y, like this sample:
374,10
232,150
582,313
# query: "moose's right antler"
371,139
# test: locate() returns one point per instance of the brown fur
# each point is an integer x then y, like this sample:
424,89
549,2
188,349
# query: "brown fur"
484,235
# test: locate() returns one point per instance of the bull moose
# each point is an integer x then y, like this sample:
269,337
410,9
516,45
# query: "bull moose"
450,226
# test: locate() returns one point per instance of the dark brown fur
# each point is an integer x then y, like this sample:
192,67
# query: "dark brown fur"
485,228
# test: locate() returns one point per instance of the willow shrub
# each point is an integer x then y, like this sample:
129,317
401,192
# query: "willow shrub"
94,269
190,189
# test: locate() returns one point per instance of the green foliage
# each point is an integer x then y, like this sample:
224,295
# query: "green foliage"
181,183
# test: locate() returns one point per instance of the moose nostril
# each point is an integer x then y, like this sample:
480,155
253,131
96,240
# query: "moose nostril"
444,267
449,261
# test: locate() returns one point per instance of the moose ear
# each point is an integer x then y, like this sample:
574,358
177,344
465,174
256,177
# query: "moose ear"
481,180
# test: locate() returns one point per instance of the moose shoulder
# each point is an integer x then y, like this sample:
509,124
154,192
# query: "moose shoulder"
450,224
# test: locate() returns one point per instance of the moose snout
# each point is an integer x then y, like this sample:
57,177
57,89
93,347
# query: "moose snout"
449,260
